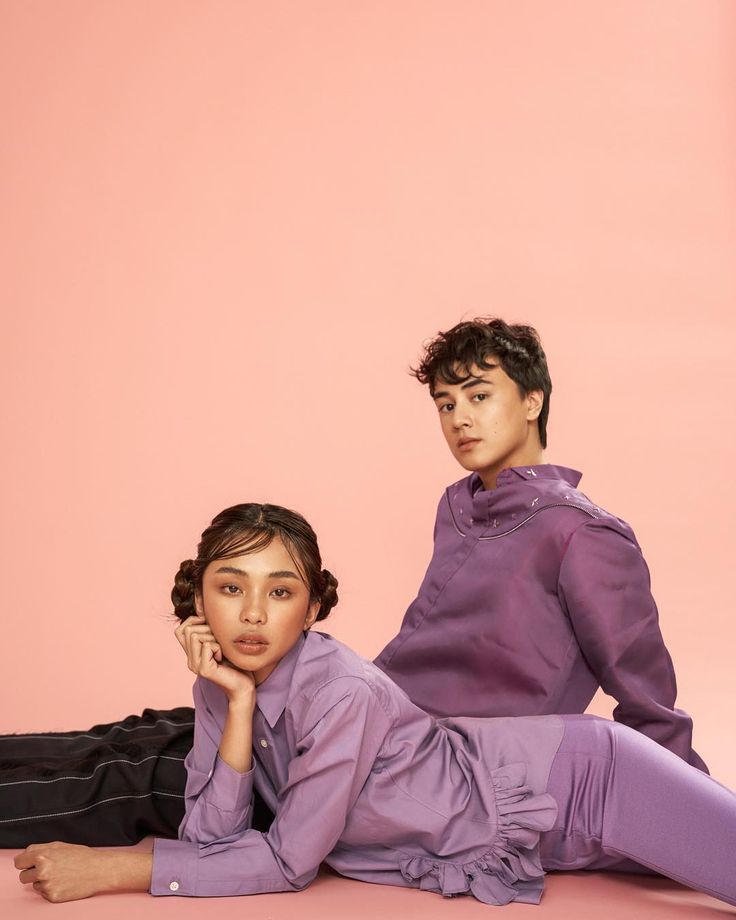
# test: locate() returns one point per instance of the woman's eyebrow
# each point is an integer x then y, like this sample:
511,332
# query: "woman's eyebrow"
233,570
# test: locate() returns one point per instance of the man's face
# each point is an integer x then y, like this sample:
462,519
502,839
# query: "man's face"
487,423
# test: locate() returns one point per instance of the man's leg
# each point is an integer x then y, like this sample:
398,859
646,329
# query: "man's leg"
110,785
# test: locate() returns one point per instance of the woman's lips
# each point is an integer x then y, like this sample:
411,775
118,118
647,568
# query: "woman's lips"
251,646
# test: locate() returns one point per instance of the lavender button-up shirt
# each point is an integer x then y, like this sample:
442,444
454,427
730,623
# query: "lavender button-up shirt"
361,778
533,598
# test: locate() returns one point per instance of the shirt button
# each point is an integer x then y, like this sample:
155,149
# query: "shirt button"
264,743
173,886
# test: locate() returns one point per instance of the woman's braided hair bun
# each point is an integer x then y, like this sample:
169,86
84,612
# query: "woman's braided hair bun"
249,528
329,594
182,594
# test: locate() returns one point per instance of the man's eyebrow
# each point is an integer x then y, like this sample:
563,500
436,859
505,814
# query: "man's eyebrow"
475,382
233,570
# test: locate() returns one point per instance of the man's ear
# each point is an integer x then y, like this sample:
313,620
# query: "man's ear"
534,402
312,614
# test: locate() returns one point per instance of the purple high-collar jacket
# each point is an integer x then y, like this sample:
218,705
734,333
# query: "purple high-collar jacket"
533,598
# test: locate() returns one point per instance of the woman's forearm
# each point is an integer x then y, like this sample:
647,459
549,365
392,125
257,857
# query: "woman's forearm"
236,743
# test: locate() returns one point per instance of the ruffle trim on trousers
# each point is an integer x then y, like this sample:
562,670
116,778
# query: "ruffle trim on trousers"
512,869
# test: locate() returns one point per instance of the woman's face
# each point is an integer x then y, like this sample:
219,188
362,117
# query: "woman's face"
257,606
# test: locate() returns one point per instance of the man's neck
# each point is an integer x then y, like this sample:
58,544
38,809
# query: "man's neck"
529,456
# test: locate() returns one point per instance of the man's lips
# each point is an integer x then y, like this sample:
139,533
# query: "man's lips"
467,443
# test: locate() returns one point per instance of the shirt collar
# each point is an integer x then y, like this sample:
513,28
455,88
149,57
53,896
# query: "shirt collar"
272,694
540,471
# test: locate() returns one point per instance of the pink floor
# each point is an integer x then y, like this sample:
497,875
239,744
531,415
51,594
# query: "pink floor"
595,896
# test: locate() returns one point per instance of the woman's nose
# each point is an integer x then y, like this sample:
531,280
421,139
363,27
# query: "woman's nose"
253,612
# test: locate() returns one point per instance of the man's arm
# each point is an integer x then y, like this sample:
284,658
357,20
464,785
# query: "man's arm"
604,586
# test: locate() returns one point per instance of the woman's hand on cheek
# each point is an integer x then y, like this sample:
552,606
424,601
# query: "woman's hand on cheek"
62,871
205,658
195,625
239,686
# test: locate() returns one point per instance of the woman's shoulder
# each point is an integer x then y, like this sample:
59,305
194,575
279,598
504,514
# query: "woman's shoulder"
328,670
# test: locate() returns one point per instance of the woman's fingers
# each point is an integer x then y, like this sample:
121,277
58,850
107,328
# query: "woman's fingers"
211,661
207,664
194,637
188,633
195,653
26,859
204,631
180,631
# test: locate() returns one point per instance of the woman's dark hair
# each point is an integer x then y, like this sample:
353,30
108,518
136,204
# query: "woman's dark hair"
249,528
516,348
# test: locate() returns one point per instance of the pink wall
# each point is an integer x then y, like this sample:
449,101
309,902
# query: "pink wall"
227,227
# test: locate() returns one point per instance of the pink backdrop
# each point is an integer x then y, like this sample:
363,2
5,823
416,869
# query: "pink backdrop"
227,227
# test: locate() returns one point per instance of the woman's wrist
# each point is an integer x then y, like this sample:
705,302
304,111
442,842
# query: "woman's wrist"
119,870
242,700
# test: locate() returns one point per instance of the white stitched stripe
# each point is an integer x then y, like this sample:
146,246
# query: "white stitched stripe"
105,763
62,737
61,814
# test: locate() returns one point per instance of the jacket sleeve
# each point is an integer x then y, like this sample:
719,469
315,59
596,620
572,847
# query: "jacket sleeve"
604,586
218,800
338,743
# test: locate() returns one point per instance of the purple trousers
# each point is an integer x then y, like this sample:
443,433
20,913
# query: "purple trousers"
626,803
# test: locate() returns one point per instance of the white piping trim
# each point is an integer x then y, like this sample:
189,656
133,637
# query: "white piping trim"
135,763
61,814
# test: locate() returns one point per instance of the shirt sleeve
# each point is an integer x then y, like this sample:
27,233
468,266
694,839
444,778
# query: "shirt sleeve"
341,736
604,586
218,799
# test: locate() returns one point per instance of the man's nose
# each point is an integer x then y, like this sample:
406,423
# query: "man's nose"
461,417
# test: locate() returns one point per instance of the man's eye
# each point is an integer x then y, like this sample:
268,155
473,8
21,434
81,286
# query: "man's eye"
480,396
446,406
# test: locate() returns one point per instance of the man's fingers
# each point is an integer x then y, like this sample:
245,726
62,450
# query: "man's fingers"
29,875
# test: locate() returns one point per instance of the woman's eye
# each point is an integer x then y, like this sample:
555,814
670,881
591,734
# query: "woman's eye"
480,396
235,589
285,592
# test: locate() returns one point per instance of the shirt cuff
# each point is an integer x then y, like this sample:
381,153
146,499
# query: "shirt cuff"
174,867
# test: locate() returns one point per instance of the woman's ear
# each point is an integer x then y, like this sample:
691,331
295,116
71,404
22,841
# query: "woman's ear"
312,614
198,605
